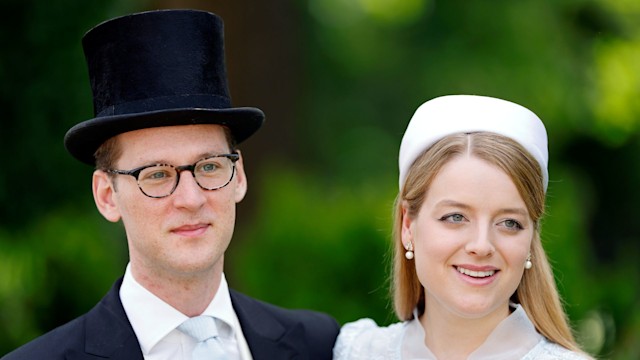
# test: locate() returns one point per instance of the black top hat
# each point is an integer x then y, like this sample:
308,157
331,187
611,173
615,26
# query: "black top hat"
157,68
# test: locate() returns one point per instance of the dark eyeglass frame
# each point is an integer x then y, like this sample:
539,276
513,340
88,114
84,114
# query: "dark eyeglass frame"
234,157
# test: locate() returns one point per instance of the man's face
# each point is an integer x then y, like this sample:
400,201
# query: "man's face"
187,232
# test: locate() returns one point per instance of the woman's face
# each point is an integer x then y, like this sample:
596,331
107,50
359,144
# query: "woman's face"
471,239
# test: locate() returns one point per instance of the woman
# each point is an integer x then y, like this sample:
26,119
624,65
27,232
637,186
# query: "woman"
470,277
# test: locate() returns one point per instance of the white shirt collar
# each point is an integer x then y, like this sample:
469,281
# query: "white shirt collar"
153,319
511,339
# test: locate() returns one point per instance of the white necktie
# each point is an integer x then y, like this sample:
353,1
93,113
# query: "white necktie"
205,331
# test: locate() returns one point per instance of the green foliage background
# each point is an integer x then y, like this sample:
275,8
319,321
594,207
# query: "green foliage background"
314,230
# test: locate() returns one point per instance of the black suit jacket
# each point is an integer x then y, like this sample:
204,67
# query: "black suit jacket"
105,333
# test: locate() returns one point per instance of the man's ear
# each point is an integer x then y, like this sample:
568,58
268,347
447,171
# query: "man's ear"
104,196
241,179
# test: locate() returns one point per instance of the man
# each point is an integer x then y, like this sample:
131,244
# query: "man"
162,142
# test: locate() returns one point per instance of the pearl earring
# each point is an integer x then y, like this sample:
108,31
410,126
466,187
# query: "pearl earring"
409,253
528,264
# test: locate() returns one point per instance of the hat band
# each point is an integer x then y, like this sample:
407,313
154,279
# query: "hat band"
173,102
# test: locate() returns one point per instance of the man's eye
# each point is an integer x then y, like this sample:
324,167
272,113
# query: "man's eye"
209,167
156,175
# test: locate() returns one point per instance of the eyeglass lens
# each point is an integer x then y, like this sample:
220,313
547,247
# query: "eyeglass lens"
161,180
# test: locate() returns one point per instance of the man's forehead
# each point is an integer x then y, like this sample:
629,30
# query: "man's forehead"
171,142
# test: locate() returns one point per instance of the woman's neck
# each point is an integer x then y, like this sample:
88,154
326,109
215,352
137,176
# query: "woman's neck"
453,336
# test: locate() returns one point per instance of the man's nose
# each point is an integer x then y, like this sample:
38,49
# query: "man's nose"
188,193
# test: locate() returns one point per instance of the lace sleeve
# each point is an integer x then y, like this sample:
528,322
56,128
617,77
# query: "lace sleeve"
546,350
363,339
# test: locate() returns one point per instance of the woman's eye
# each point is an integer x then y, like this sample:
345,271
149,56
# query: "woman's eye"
454,218
512,224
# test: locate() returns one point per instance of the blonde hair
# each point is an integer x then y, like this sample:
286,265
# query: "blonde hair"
537,292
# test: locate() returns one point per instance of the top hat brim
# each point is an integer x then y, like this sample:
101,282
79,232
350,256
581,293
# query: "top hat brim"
85,138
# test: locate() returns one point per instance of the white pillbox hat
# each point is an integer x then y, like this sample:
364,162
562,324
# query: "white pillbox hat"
447,115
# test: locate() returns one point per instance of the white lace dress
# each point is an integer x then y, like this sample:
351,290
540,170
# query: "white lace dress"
514,338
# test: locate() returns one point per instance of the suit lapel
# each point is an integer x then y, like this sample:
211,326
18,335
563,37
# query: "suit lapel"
268,338
109,334
108,331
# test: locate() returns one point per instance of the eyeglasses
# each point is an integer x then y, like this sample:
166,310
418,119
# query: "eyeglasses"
161,180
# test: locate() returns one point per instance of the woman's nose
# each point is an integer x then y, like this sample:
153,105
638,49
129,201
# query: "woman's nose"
480,242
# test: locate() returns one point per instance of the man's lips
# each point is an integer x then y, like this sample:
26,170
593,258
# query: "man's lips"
191,230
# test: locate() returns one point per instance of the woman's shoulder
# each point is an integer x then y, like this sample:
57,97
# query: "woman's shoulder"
364,339
547,350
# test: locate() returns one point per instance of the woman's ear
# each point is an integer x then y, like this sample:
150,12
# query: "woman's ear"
104,194
407,225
